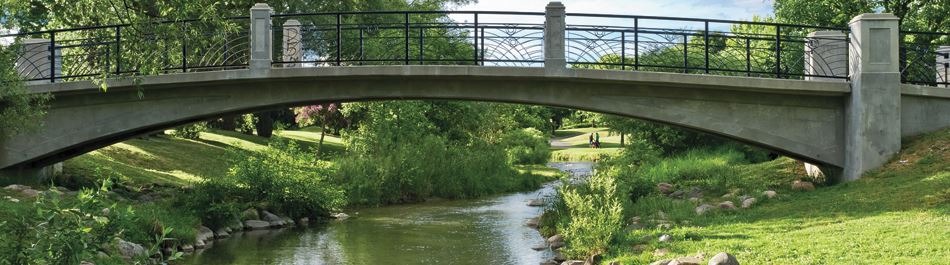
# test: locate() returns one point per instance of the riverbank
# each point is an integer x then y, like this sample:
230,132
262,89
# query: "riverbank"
150,191
693,206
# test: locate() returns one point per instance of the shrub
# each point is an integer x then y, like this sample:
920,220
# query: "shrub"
526,146
190,131
282,177
596,215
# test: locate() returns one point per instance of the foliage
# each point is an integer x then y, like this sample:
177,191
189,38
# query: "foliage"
282,177
55,229
526,146
191,131
20,111
918,15
596,214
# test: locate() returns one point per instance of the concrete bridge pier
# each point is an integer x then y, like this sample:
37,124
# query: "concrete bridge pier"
873,109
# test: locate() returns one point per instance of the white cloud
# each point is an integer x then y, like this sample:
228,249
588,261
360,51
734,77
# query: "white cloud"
717,9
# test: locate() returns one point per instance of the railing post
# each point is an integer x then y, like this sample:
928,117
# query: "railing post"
261,38
35,62
826,55
292,44
873,111
554,38
943,66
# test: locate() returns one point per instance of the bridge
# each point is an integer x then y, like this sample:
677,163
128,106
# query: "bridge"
838,98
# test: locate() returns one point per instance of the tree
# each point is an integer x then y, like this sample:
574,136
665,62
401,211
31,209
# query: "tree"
324,115
917,15
20,111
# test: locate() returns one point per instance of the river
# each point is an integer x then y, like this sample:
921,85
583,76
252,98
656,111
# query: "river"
489,230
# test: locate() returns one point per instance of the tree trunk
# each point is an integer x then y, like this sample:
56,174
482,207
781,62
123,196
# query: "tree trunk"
621,139
265,124
323,132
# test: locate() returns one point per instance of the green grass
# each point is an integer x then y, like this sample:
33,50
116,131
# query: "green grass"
166,160
577,147
899,214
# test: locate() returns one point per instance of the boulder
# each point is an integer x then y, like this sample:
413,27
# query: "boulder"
556,241
799,185
727,205
222,233
535,203
30,193
573,262
661,262
664,188
250,214
558,256
340,216
256,225
637,249
703,209
187,248
593,259
86,263
748,202
666,238
129,250
549,262
533,222
200,245
770,194
204,234
539,247
686,261
270,217
17,187
695,193
677,194
723,258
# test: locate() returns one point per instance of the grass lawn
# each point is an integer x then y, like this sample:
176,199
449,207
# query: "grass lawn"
174,161
899,214
572,144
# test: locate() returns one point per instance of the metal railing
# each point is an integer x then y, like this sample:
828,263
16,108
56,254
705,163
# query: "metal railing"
168,47
925,58
409,38
484,38
705,46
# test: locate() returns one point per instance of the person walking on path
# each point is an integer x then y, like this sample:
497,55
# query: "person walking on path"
590,140
596,140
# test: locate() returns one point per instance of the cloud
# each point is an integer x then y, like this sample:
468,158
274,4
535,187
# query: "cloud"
717,9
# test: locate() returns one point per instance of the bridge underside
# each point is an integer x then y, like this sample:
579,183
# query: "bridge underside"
797,118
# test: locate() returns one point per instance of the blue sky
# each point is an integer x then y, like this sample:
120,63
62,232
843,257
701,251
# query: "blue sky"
718,9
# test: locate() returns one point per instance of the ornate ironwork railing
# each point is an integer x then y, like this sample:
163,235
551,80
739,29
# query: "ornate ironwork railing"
165,47
925,58
414,37
485,38
704,46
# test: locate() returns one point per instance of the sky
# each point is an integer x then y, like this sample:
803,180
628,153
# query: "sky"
717,9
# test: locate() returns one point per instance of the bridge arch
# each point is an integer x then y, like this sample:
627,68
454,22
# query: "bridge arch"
802,119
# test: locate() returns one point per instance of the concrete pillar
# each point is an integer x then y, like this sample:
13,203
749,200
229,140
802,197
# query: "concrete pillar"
261,37
943,65
873,111
554,38
292,43
34,60
826,54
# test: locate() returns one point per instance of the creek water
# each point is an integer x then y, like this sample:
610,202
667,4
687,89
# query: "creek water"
479,231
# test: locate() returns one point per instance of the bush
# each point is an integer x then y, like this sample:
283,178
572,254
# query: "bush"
429,167
190,131
282,177
64,230
526,146
596,215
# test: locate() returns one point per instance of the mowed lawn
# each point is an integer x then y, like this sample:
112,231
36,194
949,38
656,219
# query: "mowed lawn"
168,160
899,214
572,144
